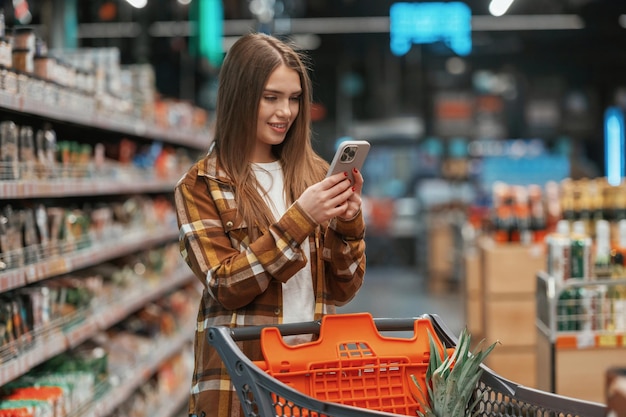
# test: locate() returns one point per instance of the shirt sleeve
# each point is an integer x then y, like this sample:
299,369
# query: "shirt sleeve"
235,276
344,255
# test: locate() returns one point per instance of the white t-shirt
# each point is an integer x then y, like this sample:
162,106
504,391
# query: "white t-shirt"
298,296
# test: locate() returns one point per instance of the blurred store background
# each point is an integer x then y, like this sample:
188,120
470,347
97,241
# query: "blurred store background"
494,125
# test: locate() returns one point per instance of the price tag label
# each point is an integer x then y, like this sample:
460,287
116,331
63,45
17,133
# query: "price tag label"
585,340
607,340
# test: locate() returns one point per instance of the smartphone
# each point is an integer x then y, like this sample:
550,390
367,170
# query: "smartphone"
350,154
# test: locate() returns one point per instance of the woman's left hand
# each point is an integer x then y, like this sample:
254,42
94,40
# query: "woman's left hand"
353,204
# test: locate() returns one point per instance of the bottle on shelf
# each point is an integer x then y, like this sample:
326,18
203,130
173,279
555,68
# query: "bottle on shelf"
521,227
581,202
567,201
538,218
602,258
502,213
553,205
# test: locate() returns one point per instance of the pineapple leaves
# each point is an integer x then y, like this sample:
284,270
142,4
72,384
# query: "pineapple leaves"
451,379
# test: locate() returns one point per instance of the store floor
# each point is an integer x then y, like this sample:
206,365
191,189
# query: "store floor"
398,292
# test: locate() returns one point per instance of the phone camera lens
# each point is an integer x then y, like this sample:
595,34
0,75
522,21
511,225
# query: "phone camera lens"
348,154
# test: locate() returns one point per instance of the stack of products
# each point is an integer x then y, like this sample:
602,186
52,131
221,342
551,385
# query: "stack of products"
34,234
78,377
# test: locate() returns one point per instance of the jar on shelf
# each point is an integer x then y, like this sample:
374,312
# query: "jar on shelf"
23,60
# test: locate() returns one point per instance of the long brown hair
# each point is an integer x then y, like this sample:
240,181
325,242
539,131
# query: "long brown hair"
243,76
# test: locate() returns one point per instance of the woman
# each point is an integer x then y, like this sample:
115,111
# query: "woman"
271,239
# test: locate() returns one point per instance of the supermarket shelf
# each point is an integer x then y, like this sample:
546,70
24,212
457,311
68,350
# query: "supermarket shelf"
57,340
592,335
96,253
174,403
74,187
118,123
140,372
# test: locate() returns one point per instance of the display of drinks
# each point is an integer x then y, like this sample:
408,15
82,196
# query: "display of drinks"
574,257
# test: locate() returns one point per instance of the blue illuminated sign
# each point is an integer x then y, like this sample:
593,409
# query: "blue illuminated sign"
614,145
421,23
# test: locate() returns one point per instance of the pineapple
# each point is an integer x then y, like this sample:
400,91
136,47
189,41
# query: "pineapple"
451,380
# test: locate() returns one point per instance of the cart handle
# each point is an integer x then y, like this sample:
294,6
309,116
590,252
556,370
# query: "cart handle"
313,327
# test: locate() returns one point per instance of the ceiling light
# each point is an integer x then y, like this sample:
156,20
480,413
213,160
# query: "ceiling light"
137,4
499,7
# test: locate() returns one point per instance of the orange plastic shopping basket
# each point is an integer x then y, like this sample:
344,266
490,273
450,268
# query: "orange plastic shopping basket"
352,363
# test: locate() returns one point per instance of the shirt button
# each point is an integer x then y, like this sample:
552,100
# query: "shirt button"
229,224
277,311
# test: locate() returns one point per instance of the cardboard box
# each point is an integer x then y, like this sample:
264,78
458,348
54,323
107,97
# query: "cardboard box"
473,271
474,316
544,362
441,249
581,373
515,364
512,321
511,268
472,291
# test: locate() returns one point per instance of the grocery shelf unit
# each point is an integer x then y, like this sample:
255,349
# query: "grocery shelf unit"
573,359
84,119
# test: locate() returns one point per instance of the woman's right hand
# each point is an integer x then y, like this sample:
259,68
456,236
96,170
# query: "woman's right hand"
327,198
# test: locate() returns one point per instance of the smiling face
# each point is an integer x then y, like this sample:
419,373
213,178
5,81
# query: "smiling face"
278,108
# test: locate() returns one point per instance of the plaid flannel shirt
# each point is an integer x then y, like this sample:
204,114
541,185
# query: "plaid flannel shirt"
243,280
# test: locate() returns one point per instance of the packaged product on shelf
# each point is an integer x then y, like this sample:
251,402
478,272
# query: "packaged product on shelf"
52,395
24,37
602,261
5,45
9,153
9,80
25,385
20,323
553,204
101,222
521,231
6,54
31,242
44,66
538,218
570,310
559,252
598,308
11,247
38,306
503,213
55,221
15,333
9,348
74,159
27,156
617,295
41,220
581,251
22,59
46,151
30,408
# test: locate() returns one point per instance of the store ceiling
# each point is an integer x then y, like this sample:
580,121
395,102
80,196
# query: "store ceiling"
595,53
601,38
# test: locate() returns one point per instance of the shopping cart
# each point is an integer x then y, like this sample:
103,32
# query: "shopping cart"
358,367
